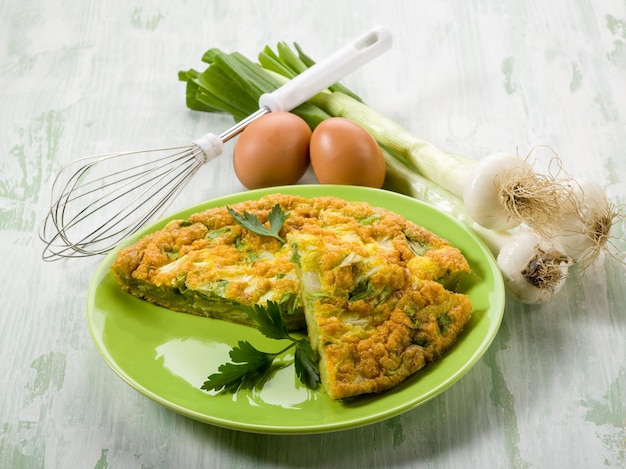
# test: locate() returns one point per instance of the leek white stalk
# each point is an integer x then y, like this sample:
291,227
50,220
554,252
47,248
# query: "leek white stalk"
500,192
534,269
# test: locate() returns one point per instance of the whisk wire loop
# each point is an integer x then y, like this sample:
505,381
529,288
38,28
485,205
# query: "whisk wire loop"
131,197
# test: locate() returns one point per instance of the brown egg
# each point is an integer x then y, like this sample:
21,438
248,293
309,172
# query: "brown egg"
342,152
272,151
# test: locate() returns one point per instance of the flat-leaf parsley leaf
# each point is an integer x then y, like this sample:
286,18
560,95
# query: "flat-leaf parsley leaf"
251,222
269,320
251,366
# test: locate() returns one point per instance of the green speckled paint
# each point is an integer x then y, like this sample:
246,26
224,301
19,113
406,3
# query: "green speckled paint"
507,70
610,410
614,175
26,17
606,108
609,414
102,462
618,54
617,27
18,448
504,401
142,20
27,168
577,78
50,371
395,424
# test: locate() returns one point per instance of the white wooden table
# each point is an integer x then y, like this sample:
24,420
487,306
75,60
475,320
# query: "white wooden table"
472,77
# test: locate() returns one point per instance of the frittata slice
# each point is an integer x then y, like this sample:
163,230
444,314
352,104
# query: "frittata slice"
375,304
210,266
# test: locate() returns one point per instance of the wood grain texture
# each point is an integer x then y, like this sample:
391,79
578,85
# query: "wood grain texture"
472,77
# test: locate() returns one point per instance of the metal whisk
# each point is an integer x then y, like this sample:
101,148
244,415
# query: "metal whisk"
95,205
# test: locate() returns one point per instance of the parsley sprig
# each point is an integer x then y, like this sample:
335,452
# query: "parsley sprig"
250,221
251,366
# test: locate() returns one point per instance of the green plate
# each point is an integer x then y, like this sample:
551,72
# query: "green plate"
167,356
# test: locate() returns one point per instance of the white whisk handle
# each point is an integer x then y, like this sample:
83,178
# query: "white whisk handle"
323,74
210,144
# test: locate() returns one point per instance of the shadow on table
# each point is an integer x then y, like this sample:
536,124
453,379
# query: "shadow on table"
447,423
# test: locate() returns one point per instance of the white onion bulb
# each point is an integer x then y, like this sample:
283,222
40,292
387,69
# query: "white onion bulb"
534,269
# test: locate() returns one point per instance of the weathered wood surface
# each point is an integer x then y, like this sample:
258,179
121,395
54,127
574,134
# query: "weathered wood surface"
472,77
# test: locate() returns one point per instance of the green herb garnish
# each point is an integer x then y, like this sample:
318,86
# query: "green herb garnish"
251,222
250,366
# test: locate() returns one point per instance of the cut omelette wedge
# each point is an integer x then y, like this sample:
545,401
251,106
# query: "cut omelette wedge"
209,265
375,303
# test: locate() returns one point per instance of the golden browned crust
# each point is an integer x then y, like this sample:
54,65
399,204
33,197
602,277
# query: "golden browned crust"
408,333
180,237
376,307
